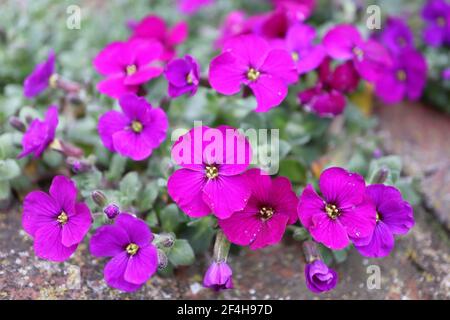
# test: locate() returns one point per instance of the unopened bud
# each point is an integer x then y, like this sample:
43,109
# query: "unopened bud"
78,165
163,261
99,198
165,240
381,175
17,124
111,210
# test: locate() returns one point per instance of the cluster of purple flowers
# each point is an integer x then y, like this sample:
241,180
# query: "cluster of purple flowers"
265,54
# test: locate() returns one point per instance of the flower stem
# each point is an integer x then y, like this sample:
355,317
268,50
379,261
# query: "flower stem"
310,251
221,247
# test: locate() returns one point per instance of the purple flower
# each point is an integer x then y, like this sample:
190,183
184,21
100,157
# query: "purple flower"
235,24
111,210
129,243
406,78
396,35
394,216
127,65
40,134
218,276
436,14
192,6
344,42
271,207
344,213
153,28
446,74
41,77
326,98
183,76
249,60
210,179
299,42
135,131
56,221
319,277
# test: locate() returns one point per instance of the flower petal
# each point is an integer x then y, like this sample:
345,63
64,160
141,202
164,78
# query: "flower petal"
132,145
279,64
185,188
381,243
137,230
77,225
226,195
340,41
142,265
110,123
39,209
309,205
108,241
342,188
226,74
114,273
115,87
330,232
63,190
269,92
48,243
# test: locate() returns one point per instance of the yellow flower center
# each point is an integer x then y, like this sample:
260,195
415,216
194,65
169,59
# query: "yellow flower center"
131,69
62,218
378,217
332,211
53,81
266,213
253,74
211,172
136,126
189,78
295,56
132,249
358,53
401,75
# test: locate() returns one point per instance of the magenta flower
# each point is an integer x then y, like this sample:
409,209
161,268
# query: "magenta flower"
319,277
56,221
40,134
235,24
436,14
192,6
406,78
344,42
41,77
210,179
127,65
183,76
396,35
249,60
297,10
271,207
326,98
344,213
299,42
135,131
129,243
218,276
154,28
394,216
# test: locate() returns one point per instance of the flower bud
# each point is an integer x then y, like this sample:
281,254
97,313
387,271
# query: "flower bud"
17,124
163,261
111,210
381,175
319,277
219,276
165,240
78,165
99,198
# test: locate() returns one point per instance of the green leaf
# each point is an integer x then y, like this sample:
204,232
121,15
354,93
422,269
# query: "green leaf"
171,218
117,167
147,196
340,255
181,253
129,188
326,254
293,169
9,169
152,219
5,190
88,182
200,233
300,233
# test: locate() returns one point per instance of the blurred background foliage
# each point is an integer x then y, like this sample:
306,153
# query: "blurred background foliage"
29,29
